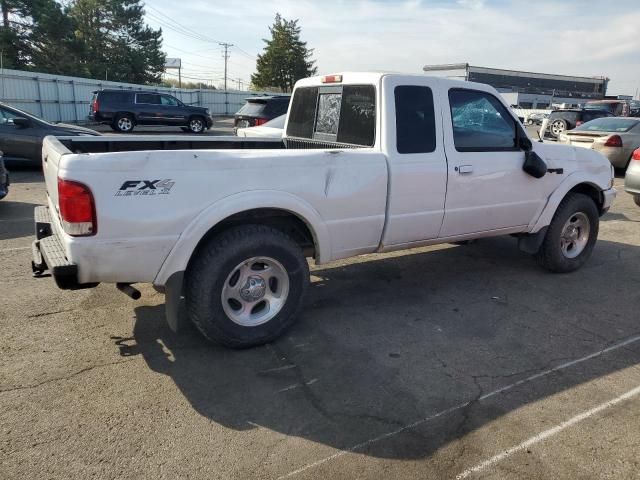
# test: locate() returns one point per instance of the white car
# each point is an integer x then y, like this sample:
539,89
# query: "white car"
369,162
272,129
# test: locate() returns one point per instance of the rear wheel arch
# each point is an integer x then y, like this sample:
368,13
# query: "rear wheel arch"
289,223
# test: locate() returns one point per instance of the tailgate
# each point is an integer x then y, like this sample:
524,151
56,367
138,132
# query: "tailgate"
52,152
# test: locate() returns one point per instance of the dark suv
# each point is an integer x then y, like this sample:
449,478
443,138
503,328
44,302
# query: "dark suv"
123,110
259,110
560,121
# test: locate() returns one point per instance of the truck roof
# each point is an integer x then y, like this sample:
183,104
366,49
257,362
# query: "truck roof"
376,77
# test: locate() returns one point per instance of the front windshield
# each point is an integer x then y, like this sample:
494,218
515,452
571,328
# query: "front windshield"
608,124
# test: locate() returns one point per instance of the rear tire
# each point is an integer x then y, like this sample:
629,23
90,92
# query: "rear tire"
123,123
571,235
636,198
245,286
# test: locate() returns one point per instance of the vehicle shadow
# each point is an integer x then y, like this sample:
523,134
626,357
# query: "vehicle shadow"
386,342
16,219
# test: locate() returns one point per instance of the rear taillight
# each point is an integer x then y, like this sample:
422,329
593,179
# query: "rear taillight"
613,141
636,154
77,208
260,121
579,122
94,105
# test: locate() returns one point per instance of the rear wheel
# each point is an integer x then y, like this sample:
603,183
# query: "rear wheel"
246,285
571,235
636,198
123,123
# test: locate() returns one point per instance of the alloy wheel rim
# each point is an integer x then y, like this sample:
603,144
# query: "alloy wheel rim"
124,124
575,235
557,128
255,291
196,125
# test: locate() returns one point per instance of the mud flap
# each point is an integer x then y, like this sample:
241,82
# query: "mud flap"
174,303
531,243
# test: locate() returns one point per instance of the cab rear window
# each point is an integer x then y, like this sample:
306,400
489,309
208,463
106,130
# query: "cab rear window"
342,114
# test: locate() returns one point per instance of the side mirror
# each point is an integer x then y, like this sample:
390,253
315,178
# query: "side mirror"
21,122
534,165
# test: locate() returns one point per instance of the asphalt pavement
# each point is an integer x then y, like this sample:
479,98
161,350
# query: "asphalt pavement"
440,362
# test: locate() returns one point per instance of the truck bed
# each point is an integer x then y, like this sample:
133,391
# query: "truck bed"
131,143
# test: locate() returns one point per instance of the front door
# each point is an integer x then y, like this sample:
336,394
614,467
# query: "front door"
18,142
487,188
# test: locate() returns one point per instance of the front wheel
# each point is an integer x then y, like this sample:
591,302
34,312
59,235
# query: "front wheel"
196,125
571,235
246,285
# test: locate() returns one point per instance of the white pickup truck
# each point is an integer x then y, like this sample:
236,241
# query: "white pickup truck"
369,162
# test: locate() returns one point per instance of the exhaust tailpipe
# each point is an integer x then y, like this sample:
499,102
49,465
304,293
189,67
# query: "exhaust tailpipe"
128,290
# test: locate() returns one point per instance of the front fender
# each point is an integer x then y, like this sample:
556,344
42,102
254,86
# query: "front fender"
576,178
181,252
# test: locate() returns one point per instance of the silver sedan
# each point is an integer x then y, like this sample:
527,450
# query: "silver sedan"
615,137
632,177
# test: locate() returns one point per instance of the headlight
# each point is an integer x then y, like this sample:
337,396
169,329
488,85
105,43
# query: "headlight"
208,111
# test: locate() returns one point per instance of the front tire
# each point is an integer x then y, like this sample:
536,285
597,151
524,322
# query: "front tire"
557,128
571,235
197,125
246,285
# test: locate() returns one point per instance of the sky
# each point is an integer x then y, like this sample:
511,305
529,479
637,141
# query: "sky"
569,37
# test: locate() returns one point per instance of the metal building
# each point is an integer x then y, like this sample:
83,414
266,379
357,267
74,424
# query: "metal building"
527,89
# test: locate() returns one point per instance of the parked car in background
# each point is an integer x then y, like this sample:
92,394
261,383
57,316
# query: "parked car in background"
632,177
4,179
21,134
560,121
259,110
619,108
536,118
124,110
615,137
272,129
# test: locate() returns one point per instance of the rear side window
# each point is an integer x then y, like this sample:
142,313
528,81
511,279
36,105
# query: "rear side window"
480,122
570,116
252,108
303,113
343,114
415,120
115,97
148,98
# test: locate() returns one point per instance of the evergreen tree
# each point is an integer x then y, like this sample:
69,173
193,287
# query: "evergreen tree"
116,43
14,32
286,58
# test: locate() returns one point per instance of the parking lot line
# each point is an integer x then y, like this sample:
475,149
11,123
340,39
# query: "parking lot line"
548,433
15,249
460,406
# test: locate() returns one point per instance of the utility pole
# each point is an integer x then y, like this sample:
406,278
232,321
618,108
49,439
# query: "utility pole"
226,58
239,80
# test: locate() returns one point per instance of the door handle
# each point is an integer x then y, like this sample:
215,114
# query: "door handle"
462,169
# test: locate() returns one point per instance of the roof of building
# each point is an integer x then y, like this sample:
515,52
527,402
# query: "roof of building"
515,73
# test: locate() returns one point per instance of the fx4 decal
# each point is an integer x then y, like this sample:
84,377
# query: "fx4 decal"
132,188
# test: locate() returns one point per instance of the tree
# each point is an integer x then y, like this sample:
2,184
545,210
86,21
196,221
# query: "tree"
14,32
116,43
286,58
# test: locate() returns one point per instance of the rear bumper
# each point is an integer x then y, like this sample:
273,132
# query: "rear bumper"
48,254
